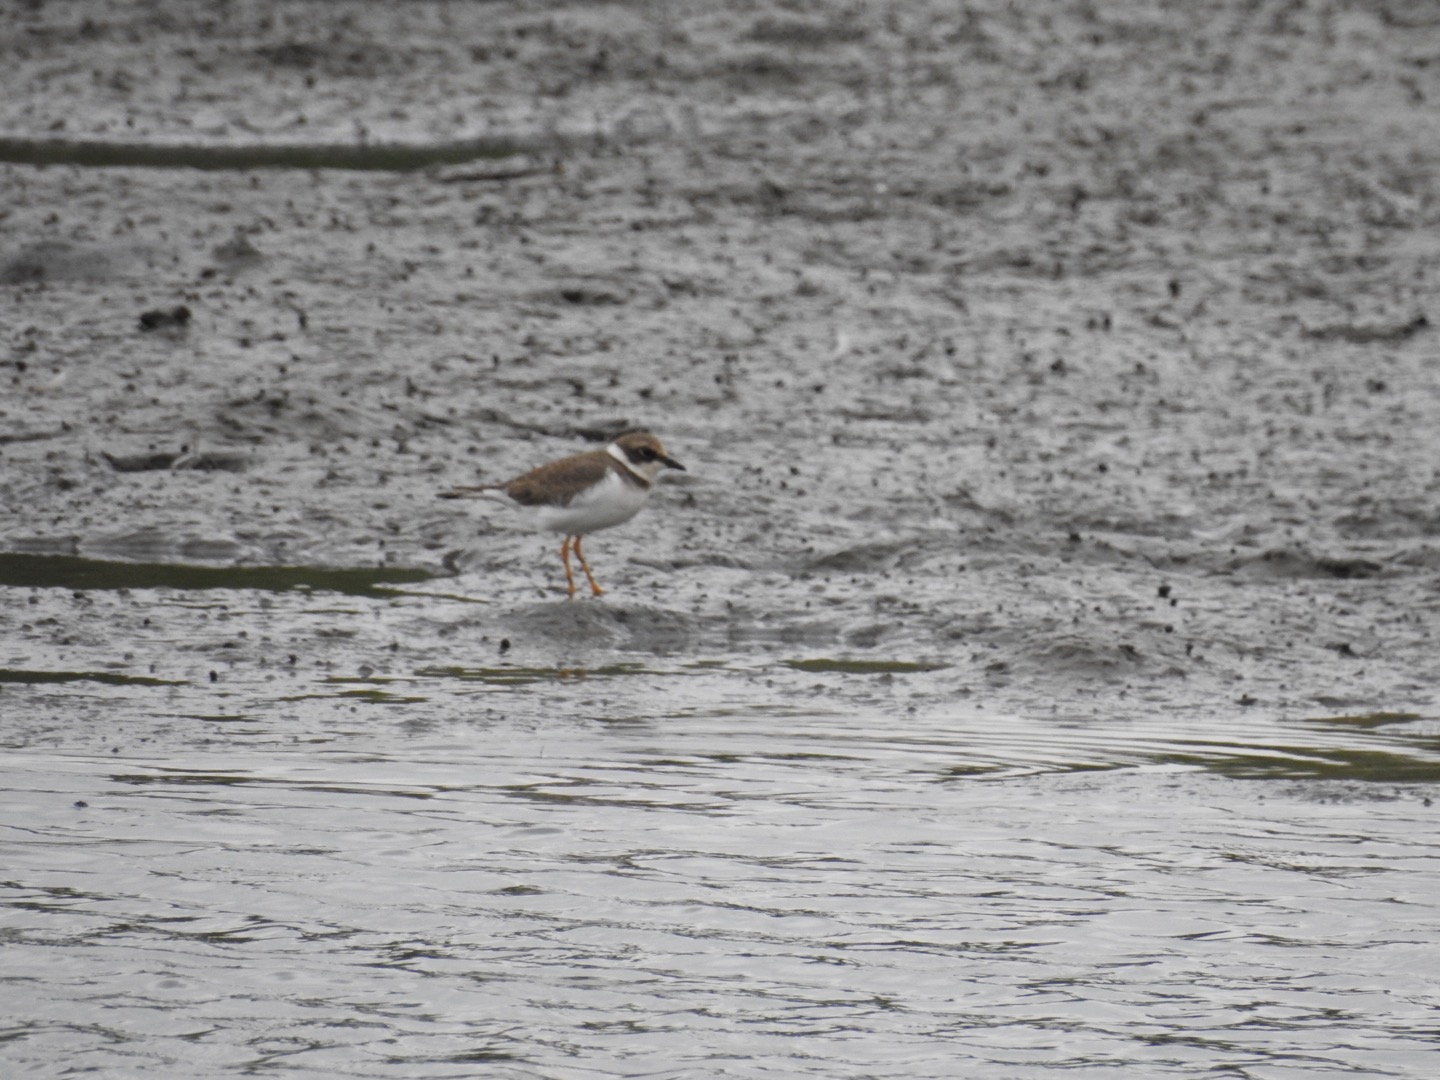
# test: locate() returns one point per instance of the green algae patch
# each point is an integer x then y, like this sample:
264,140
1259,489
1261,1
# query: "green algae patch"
828,666
108,678
368,157
1367,720
20,570
376,691
523,676
1304,763
375,696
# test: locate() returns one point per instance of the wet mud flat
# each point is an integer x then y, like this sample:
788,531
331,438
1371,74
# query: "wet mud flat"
1058,389
1088,356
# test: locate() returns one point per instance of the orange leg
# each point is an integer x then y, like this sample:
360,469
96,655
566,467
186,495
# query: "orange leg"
565,558
595,589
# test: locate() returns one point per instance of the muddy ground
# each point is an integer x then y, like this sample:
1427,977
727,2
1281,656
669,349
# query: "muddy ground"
1066,357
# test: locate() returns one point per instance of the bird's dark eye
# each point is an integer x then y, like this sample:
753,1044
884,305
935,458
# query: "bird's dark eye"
647,454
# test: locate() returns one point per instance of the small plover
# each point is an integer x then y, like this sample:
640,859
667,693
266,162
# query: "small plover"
583,493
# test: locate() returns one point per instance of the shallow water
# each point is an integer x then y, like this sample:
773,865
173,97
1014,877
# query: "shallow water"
669,867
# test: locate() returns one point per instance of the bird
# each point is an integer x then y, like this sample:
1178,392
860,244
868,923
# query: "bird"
583,493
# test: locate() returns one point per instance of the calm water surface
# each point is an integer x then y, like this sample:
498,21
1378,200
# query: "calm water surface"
666,889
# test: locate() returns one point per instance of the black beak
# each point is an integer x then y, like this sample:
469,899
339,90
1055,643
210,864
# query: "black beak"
672,463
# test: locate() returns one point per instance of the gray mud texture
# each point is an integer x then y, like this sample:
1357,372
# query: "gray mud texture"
1059,357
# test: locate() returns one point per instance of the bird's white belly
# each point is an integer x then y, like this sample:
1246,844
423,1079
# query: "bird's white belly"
608,504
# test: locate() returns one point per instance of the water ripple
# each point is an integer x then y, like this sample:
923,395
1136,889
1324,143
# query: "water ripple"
687,898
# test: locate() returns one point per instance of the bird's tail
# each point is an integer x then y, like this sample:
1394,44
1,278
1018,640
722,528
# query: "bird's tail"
480,491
